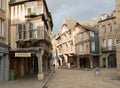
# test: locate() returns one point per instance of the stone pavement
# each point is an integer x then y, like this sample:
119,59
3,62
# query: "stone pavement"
27,82
64,78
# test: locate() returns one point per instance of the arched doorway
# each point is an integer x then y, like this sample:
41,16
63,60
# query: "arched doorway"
112,60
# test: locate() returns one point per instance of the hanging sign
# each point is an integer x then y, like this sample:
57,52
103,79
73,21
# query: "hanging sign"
22,54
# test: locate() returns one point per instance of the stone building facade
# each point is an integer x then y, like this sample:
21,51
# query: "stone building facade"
30,39
66,43
107,38
118,35
55,59
87,46
4,45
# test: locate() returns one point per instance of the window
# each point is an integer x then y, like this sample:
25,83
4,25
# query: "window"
35,25
32,9
82,35
30,26
29,10
115,26
92,34
21,29
20,35
104,29
104,43
110,27
83,47
24,32
93,45
35,34
115,41
24,35
71,46
66,47
2,4
1,27
30,34
70,35
109,44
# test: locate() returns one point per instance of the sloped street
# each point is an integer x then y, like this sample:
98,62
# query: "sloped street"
84,79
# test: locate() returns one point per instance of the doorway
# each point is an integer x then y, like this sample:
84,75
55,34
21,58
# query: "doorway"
104,62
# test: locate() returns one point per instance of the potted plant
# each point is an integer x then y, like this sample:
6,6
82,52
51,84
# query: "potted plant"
21,43
33,14
34,41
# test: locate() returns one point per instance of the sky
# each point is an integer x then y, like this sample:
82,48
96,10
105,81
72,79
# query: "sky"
84,10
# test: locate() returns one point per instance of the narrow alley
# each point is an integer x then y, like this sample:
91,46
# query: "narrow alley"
84,79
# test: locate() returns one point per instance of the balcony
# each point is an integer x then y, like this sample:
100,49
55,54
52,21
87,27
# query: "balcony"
108,49
34,43
31,15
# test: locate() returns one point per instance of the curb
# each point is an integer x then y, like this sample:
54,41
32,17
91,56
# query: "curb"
47,80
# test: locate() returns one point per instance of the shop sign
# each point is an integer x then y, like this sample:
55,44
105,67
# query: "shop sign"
22,54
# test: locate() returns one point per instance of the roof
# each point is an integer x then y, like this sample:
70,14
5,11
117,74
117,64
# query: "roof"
94,22
71,23
12,2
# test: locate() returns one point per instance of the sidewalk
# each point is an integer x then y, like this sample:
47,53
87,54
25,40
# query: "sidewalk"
27,82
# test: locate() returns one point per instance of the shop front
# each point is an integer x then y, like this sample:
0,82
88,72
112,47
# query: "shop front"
4,63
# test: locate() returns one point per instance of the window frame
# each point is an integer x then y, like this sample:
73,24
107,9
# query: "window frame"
2,4
110,27
92,34
104,43
104,29
2,27
93,46
83,47
82,35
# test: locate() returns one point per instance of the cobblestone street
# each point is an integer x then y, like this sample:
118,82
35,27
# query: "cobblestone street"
84,79
25,82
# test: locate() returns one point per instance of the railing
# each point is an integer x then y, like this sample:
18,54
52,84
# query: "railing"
30,35
109,48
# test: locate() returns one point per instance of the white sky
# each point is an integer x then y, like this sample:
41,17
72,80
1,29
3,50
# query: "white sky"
84,10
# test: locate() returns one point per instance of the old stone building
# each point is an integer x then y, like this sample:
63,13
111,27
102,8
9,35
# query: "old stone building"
87,45
4,45
30,37
55,59
66,43
118,35
107,36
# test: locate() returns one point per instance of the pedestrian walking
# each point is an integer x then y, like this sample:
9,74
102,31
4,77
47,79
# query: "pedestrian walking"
53,68
97,71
